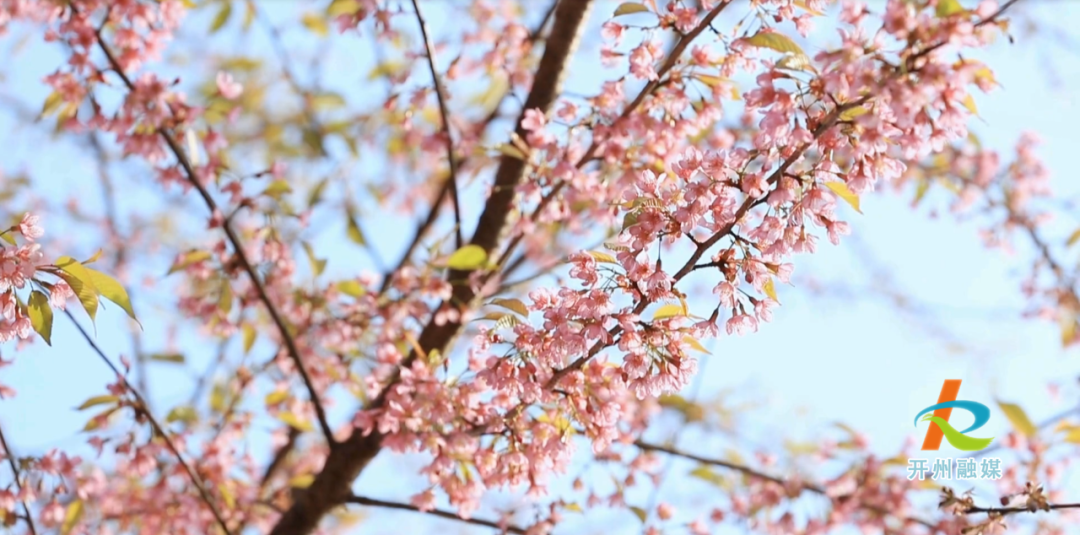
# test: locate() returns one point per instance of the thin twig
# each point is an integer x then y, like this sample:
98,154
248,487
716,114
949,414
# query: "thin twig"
444,113
18,484
370,502
158,429
237,243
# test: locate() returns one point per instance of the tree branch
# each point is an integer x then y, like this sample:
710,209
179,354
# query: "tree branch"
370,502
18,485
160,431
345,463
237,243
440,95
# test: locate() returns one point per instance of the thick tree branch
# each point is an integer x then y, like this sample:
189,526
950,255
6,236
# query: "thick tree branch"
370,502
331,486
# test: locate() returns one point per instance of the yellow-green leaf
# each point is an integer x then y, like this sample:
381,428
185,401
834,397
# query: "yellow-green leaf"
770,289
294,421
82,283
72,516
1073,238
316,24
512,304
100,419
603,258
9,237
627,8
802,4
184,413
277,396
851,113
1018,418
97,400
93,259
249,337
277,188
694,343
669,311
467,258
227,495
174,358
112,290
353,229
775,41
705,473
1073,436
640,513
318,265
948,7
41,315
189,258
338,8
53,101
507,149
302,481
969,103
327,101
222,16
351,288
841,190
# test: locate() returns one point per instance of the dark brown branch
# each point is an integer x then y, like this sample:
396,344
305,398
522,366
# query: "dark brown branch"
370,502
331,486
444,113
444,190
157,428
1010,510
241,256
18,484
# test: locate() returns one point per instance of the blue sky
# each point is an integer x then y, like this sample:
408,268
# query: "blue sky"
821,360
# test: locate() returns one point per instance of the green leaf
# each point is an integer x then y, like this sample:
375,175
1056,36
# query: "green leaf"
94,258
629,220
316,24
52,102
573,507
72,516
948,7
184,414
467,258
507,149
41,315
775,41
225,300
841,190
112,290
173,358
640,513
100,419
295,422
97,400
1018,418
512,304
222,16
627,8
317,192
9,237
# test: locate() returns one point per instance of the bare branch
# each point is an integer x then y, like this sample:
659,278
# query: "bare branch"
18,484
440,95
370,502
158,430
